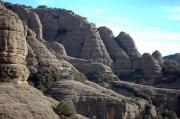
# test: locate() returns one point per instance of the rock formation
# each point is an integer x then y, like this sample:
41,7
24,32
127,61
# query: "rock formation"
158,56
80,39
58,42
94,101
13,48
29,18
25,102
168,98
122,63
86,66
47,61
150,66
57,49
126,42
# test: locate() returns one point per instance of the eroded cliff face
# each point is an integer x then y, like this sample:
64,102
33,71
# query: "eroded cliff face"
73,46
121,61
80,38
29,18
150,66
94,101
25,102
13,48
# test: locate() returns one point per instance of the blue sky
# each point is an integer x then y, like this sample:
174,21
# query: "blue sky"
154,24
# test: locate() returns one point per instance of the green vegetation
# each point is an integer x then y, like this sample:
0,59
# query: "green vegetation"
136,76
135,91
44,78
5,78
66,110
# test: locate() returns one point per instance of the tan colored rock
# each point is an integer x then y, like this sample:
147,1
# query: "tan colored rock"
56,48
80,39
29,18
86,66
32,62
94,101
150,66
25,102
158,56
159,96
13,49
47,61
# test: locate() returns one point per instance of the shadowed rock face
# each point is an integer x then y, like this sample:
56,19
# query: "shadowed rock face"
150,66
80,39
158,56
29,18
56,48
13,49
43,59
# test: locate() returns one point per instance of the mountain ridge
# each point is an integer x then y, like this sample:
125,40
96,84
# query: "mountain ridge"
65,51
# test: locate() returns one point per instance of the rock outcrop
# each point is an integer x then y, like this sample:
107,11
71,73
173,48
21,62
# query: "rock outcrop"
126,42
57,49
25,102
47,61
80,39
122,63
158,56
150,66
94,101
168,98
86,66
32,62
29,18
13,49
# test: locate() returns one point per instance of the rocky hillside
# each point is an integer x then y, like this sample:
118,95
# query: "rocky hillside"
78,68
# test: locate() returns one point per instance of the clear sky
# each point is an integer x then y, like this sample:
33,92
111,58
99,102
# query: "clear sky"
154,24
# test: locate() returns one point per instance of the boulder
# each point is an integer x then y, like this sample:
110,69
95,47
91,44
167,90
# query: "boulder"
150,66
13,49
